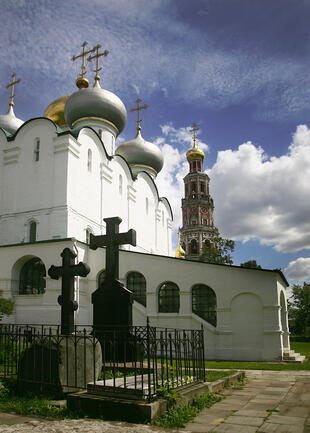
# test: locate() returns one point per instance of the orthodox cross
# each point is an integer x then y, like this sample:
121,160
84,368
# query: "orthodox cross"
111,240
68,271
138,109
96,56
83,55
194,130
12,84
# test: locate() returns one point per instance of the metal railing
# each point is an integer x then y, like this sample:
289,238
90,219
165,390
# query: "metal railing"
138,362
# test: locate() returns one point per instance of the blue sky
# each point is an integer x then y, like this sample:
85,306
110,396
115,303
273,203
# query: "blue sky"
238,68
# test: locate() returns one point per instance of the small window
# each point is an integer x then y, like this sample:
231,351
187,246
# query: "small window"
168,298
89,160
120,184
100,133
87,235
32,231
194,246
202,187
101,278
32,277
37,149
137,284
146,206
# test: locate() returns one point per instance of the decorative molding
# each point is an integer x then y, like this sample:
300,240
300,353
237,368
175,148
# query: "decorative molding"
131,193
11,156
106,172
67,146
157,215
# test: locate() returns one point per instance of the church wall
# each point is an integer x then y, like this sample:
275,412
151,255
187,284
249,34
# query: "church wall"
248,319
32,189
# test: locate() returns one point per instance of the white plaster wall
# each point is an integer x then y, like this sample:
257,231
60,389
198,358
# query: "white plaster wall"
248,321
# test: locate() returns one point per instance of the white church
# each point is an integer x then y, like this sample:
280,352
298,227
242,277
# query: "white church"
62,174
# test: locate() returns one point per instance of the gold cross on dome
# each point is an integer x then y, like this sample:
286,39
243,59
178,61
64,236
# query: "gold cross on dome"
96,56
194,130
12,84
83,55
138,109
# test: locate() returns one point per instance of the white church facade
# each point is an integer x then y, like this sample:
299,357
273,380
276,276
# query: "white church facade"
61,175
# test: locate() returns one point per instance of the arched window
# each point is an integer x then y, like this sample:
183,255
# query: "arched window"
193,246
204,303
168,298
87,235
120,184
89,160
146,206
207,243
100,133
101,278
32,277
32,231
37,149
137,284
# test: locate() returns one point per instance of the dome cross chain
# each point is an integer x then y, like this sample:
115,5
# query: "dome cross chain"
138,109
12,85
194,130
96,56
83,54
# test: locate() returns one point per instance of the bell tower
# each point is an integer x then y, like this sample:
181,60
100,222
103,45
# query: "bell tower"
197,206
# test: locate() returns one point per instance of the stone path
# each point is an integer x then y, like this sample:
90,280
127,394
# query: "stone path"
270,402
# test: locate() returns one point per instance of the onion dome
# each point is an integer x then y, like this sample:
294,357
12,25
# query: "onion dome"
10,122
95,104
141,155
180,253
55,110
195,153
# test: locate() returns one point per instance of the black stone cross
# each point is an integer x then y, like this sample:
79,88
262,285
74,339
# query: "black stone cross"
112,302
68,271
111,240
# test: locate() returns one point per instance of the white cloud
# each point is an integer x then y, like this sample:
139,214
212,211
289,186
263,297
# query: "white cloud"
256,196
298,270
183,137
265,198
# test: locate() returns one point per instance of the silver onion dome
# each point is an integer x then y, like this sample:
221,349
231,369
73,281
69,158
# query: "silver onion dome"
95,103
141,155
10,122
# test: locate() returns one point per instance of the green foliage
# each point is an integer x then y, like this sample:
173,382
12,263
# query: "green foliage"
252,264
178,417
299,309
219,250
6,306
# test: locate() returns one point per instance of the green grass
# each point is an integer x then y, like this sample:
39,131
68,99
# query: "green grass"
302,348
212,376
178,417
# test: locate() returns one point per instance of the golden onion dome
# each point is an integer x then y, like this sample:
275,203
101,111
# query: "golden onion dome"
179,252
55,110
195,153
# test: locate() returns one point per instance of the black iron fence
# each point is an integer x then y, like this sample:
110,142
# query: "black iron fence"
138,362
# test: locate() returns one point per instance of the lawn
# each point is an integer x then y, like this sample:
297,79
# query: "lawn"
302,348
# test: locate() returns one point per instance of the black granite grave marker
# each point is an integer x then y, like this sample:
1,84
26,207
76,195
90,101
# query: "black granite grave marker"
68,271
112,302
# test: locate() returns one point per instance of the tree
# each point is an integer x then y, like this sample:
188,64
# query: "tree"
251,264
218,250
299,309
6,306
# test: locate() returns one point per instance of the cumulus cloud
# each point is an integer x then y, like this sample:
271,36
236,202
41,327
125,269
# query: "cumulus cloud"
265,198
299,270
256,196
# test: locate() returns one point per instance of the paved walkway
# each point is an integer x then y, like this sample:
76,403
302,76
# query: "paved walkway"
270,402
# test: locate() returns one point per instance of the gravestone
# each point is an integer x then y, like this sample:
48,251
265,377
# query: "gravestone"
112,301
68,271
66,362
